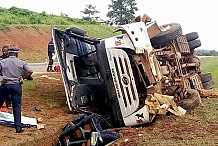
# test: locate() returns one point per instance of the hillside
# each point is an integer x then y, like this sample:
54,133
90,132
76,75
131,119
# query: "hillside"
20,16
31,31
30,40
33,39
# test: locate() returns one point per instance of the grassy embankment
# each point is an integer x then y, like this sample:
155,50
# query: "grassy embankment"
25,19
210,65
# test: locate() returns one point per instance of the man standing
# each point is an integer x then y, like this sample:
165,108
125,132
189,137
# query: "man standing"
51,54
3,56
4,52
16,71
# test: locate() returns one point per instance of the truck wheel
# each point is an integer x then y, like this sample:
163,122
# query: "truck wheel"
168,35
76,30
206,77
191,36
191,101
194,44
208,85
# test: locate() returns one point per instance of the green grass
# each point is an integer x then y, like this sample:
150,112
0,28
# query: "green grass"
93,30
205,113
39,55
4,27
48,90
29,84
19,16
210,65
21,26
99,31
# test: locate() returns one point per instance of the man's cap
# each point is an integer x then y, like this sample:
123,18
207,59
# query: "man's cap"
14,49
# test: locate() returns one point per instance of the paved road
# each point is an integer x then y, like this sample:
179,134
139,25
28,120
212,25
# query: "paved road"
39,67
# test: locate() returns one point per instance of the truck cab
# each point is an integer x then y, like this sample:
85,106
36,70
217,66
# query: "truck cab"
114,76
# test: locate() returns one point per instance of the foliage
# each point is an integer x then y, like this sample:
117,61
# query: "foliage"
209,65
18,16
91,11
206,52
121,12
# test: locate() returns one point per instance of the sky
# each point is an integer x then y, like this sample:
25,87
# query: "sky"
194,15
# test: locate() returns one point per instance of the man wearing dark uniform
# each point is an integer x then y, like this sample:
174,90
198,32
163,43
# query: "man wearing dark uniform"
15,71
3,56
51,53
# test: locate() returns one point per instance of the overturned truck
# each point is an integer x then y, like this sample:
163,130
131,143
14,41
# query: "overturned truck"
122,77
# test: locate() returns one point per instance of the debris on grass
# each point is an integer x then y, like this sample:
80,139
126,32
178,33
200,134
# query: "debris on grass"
211,93
41,126
86,130
7,119
161,104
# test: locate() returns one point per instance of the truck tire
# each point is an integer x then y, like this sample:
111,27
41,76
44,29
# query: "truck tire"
168,35
208,85
191,36
76,30
194,44
191,101
206,77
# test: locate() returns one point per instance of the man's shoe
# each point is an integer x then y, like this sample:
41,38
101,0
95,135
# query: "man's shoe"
19,131
9,105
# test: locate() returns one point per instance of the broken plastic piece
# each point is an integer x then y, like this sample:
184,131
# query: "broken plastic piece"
161,104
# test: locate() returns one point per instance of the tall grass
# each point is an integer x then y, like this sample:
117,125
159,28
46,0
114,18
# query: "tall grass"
18,16
4,26
210,65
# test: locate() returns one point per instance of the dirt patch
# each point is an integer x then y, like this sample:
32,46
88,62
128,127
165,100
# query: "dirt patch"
54,112
33,41
197,128
26,37
211,93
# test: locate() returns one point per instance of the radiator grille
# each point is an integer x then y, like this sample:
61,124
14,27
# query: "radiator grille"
124,80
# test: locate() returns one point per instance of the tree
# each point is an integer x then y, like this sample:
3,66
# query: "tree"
122,11
202,52
213,53
91,11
